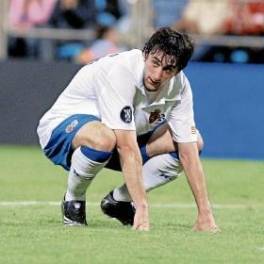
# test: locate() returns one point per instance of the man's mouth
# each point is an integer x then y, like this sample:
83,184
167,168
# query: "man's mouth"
154,83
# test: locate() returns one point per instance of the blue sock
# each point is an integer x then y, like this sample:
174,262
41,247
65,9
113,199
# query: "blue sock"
175,154
95,155
144,154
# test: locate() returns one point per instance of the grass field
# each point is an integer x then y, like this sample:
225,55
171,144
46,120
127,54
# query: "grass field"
33,233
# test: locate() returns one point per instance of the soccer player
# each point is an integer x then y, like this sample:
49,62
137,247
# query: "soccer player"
131,111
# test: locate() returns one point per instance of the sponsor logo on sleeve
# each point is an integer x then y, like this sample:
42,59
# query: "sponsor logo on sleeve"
126,114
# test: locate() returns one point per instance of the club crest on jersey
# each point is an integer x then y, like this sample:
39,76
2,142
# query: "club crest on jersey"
156,115
126,114
71,126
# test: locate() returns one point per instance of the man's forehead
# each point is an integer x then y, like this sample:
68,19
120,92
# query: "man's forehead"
164,58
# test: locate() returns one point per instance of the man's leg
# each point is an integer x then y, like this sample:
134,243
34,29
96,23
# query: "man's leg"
93,145
157,171
117,203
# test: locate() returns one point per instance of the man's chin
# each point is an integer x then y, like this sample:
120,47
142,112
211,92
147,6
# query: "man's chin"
151,88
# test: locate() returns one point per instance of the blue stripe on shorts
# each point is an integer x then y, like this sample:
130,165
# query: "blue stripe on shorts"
59,148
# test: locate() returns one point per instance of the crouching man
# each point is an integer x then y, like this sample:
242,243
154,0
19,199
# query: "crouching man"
134,109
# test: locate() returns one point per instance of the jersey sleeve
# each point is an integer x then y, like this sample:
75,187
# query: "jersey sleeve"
181,118
115,91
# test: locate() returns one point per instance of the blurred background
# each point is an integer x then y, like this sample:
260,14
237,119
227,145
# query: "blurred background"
44,42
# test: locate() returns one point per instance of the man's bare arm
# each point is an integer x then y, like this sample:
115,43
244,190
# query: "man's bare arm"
131,164
194,172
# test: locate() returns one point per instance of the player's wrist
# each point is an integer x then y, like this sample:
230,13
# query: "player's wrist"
205,214
205,210
142,205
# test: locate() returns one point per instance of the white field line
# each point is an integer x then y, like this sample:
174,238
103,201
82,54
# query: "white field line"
154,205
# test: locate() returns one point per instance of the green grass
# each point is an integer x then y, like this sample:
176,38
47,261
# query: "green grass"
34,234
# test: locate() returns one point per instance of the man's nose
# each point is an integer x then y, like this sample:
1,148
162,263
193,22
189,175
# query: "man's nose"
157,74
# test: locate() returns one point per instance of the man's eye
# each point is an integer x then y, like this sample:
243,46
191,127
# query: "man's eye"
168,71
155,63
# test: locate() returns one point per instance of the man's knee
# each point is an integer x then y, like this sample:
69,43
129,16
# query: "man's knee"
160,170
95,135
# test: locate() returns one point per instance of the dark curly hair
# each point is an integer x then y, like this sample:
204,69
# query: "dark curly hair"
172,43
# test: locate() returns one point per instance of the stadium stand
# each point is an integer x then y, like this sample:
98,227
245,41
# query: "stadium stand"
236,26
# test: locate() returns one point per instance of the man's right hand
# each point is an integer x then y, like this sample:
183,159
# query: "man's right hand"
141,219
206,223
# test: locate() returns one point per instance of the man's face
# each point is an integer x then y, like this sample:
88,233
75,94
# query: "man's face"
159,68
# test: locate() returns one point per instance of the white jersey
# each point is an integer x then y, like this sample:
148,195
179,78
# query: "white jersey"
112,89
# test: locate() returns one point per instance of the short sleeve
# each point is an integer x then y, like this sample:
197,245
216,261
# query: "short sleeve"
115,91
181,118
